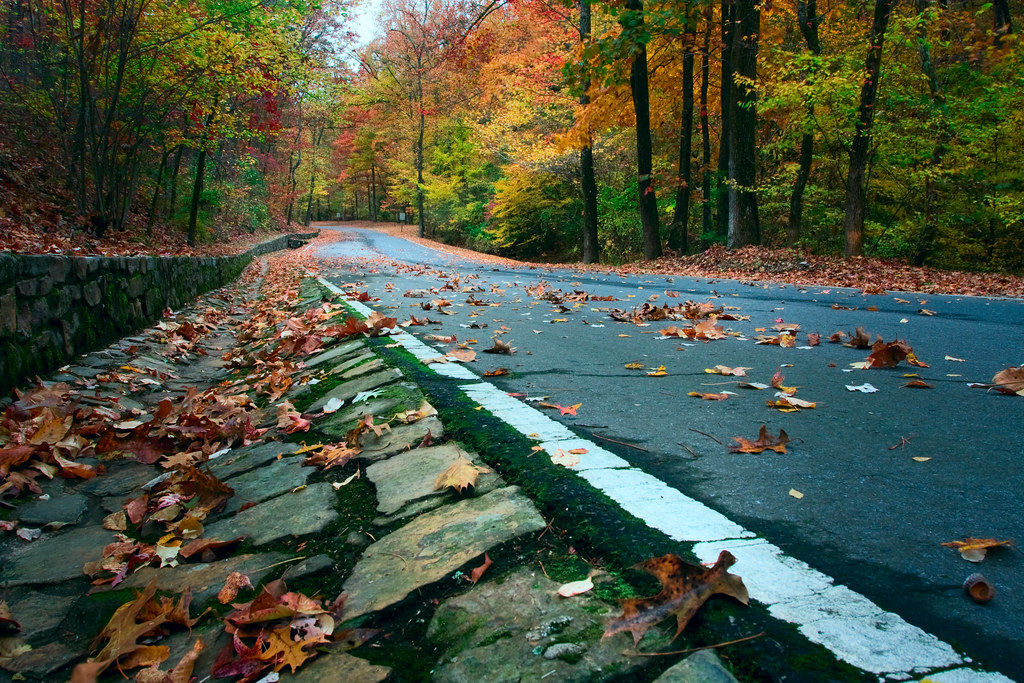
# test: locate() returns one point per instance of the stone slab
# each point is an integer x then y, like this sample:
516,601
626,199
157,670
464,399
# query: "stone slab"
34,564
293,514
120,480
41,662
352,362
401,438
59,509
40,614
343,420
519,629
339,667
311,566
248,458
346,391
434,545
337,353
372,365
205,578
263,483
700,667
410,476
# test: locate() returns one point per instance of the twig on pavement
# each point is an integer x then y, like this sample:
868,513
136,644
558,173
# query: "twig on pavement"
693,649
621,443
706,434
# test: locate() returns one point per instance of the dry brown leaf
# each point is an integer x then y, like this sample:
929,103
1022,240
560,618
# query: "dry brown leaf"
460,475
235,582
477,572
1010,380
974,549
765,441
727,371
501,347
684,588
709,397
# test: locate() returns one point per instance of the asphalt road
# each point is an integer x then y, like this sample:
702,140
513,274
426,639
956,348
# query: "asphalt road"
871,515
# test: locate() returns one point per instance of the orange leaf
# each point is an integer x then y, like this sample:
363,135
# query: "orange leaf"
765,441
477,572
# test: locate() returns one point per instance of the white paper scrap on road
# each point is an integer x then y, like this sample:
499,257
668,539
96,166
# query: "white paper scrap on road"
851,626
594,459
662,507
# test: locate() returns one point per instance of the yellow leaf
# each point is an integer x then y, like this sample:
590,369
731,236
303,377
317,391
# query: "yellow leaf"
460,475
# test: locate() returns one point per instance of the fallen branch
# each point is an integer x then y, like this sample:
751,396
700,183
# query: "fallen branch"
707,435
621,443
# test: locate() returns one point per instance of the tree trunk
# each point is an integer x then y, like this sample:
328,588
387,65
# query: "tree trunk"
677,236
705,133
722,176
1002,22
807,20
172,198
419,155
373,194
588,180
156,192
197,190
644,147
744,227
853,222
930,229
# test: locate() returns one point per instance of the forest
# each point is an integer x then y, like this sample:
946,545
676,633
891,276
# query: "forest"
538,129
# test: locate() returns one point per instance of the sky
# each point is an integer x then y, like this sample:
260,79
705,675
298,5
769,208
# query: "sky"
365,16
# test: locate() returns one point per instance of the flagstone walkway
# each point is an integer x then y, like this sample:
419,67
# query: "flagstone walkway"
510,626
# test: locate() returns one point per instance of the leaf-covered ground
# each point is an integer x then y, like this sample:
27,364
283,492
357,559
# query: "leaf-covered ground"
43,233
763,264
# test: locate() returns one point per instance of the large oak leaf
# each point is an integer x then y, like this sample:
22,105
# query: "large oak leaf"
684,588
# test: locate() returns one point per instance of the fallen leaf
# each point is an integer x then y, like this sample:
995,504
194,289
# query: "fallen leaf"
1010,380
727,371
501,347
565,459
232,584
918,384
920,458
477,572
635,366
569,410
462,355
578,451
333,405
684,588
887,354
576,587
460,475
497,372
796,494
660,372
709,397
765,441
974,549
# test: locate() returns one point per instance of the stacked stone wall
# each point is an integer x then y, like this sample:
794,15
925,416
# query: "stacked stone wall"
53,307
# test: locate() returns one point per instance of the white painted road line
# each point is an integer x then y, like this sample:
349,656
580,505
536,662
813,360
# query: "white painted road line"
855,629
